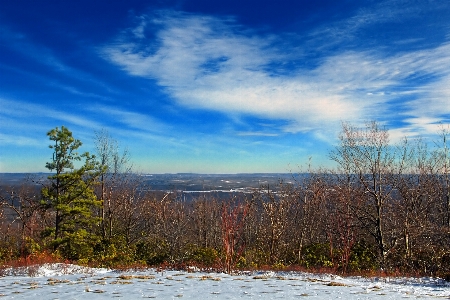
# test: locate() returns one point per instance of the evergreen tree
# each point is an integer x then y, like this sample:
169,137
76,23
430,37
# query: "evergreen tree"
70,197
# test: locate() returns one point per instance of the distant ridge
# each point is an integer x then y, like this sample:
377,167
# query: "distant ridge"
189,182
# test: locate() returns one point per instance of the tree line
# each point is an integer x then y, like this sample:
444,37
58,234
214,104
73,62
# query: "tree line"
383,207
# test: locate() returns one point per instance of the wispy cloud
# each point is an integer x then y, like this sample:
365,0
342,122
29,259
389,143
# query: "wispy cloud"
20,43
25,110
211,63
256,133
132,120
53,63
19,140
347,32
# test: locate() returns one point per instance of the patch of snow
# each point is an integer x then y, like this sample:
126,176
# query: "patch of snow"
65,281
47,270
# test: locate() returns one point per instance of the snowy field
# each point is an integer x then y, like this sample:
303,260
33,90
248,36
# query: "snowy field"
66,282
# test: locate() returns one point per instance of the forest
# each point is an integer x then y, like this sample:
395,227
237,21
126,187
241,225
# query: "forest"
383,208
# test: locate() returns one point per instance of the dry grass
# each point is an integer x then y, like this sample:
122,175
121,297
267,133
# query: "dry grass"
29,265
334,283
125,277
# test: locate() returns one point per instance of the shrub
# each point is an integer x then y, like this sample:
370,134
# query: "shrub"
445,267
363,257
204,256
254,258
114,253
153,252
316,255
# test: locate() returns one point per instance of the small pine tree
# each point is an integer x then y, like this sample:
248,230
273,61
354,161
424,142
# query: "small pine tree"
70,198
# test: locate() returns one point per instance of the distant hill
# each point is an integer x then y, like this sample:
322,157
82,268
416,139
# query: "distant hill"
188,182
15,179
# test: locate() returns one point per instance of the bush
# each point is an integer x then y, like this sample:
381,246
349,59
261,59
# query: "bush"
153,252
114,253
445,266
9,248
253,258
204,256
316,255
363,257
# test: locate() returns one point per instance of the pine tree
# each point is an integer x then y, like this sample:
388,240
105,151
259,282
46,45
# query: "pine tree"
70,197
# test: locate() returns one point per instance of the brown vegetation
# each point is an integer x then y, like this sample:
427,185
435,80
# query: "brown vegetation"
384,209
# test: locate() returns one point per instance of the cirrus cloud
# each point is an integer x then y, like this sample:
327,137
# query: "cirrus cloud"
211,63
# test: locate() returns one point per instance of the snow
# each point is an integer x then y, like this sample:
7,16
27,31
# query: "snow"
61,281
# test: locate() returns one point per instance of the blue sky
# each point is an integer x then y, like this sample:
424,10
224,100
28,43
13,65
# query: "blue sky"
218,86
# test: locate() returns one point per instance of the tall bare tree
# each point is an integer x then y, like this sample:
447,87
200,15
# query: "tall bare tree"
117,173
378,167
443,157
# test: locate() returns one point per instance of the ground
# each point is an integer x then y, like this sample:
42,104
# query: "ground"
60,281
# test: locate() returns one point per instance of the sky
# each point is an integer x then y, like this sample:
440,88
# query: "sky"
236,86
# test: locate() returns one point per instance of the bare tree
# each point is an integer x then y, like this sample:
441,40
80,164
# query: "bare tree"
25,210
276,209
443,159
205,225
116,170
167,220
378,166
233,219
125,209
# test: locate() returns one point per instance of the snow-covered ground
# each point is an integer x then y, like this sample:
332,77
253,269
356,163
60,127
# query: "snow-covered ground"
66,282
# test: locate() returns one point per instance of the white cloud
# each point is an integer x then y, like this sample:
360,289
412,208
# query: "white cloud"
19,109
6,139
211,63
132,119
256,133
